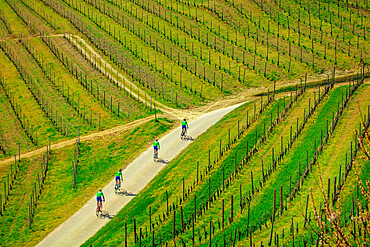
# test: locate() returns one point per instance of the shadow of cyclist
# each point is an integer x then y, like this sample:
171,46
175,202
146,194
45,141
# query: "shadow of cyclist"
188,138
160,160
105,215
123,192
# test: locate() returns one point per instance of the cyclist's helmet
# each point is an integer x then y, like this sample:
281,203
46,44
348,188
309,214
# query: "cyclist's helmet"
156,140
99,189
120,170
184,119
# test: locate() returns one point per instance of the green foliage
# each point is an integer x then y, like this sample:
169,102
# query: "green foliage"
170,179
99,159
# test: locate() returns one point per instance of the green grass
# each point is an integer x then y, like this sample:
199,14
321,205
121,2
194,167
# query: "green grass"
170,179
143,51
38,119
14,222
228,164
26,103
17,26
328,167
230,31
262,202
184,166
46,58
99,159
10,128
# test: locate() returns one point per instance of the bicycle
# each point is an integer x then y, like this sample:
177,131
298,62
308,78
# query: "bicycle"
183,134
98,211
117,187
156,147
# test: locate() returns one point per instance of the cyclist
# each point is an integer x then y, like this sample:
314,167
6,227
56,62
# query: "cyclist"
119,177
156,147
99,196
185,126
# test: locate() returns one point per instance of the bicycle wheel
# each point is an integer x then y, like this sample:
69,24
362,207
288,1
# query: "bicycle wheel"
98,211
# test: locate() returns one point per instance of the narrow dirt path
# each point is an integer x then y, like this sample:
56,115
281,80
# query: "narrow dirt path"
89,137
84,224
107,69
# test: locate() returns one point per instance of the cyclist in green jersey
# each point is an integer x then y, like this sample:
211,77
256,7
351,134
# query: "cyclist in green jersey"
99,196
119,177
185,126
156,147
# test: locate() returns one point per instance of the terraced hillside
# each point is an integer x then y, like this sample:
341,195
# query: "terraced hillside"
80,57
50,90
107,71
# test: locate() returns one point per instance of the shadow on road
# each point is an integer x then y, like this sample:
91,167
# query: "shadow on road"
130,194
188,138
123,192
160,160
105,215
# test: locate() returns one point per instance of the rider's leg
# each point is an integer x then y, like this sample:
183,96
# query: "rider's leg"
99,199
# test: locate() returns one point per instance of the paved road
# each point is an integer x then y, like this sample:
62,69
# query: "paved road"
84,224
